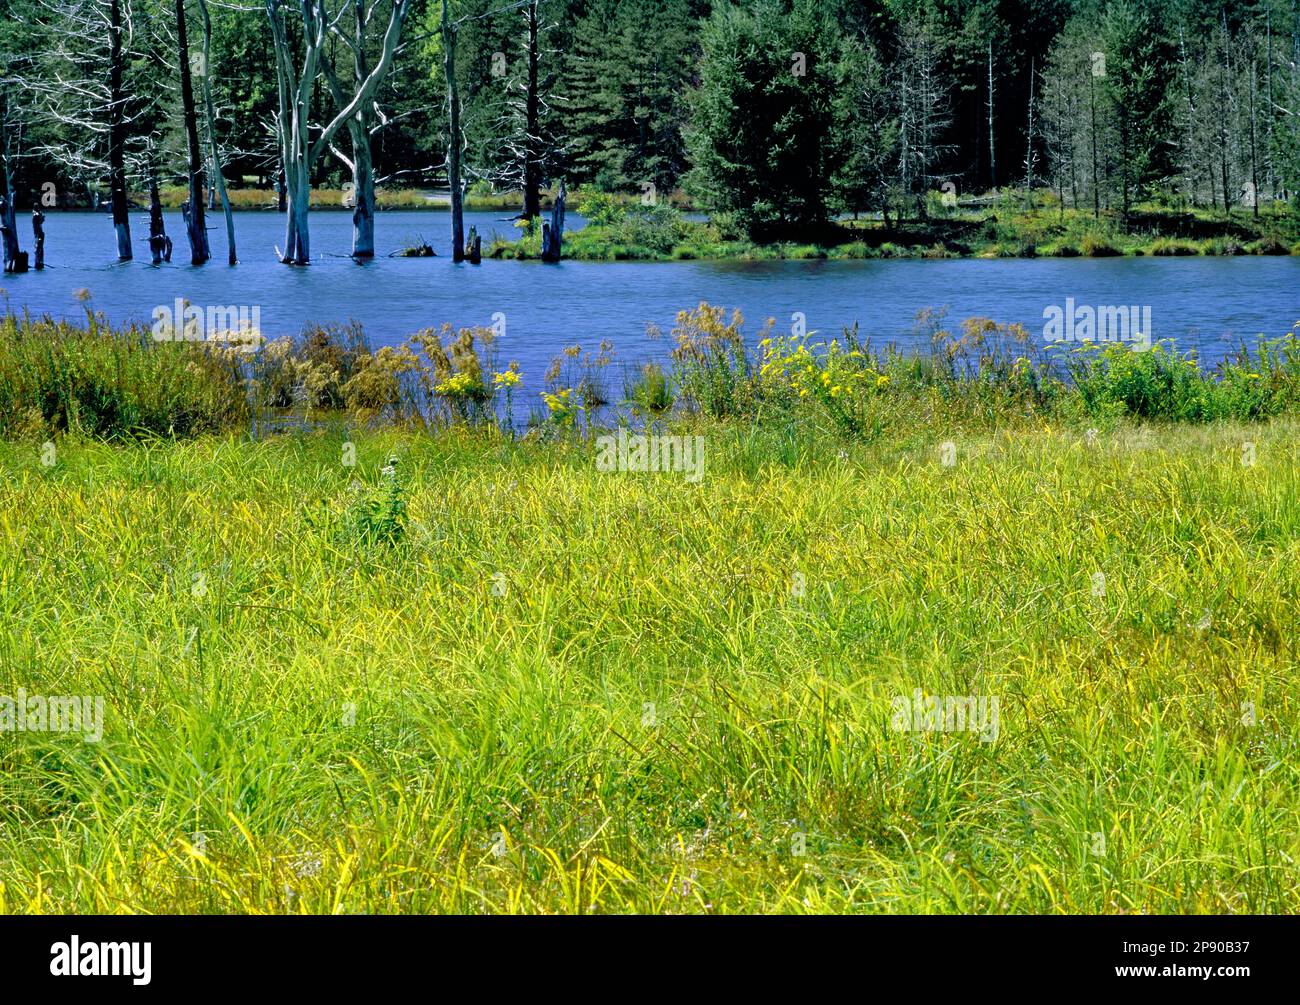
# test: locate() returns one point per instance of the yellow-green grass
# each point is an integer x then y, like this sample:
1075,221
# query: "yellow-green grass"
172,196
645,714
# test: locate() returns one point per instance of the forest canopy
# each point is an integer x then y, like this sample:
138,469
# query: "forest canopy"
774,114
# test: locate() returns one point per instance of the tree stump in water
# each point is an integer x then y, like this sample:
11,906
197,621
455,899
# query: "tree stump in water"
6,236
14,259
38,231
160,246
553,232
474,247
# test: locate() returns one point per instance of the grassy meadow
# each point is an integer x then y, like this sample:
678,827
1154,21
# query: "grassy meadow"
367,667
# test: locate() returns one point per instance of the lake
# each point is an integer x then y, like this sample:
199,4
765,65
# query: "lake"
1210,304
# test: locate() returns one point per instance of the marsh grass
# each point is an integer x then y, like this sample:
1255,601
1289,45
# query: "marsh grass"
564,691
386,198
56,377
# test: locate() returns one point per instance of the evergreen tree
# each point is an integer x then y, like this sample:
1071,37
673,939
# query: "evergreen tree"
626,82
866,130
762,115
1136,74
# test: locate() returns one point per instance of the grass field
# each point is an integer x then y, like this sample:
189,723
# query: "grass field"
495,679
172,196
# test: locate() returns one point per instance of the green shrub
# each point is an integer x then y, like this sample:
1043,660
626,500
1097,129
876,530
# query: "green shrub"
1172,247
1096,246
1269,245
651,390
601,209
1156,384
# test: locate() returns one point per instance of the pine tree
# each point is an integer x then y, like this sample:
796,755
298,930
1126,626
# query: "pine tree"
761,128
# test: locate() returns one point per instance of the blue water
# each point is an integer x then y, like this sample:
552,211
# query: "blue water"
1209,304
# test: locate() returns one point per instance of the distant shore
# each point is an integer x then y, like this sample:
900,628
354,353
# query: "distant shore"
1010,227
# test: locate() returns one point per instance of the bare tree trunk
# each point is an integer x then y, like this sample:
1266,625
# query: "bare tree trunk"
363,174
363,171
993,161
298,151
1096,183
1189,139
117,134
9,226
291,125
210,111
297,237
159,245
38,232
9,235
1225,81
196,224
361,164
1254,152
455,141
553,232
1029,137
8,213
532,121
1268,86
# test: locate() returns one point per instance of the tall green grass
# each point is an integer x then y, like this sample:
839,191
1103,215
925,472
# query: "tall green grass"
56,377
564,691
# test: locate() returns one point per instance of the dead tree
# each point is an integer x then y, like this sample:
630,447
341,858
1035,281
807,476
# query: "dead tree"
532,140
160,245
298,151
529,138
455,138
294,85
14,260
11,130
993,157
210,114
1031,133
196,229
117,134
81,82
362,125
923,89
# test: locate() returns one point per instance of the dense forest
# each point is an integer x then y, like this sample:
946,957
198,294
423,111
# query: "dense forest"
775,115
